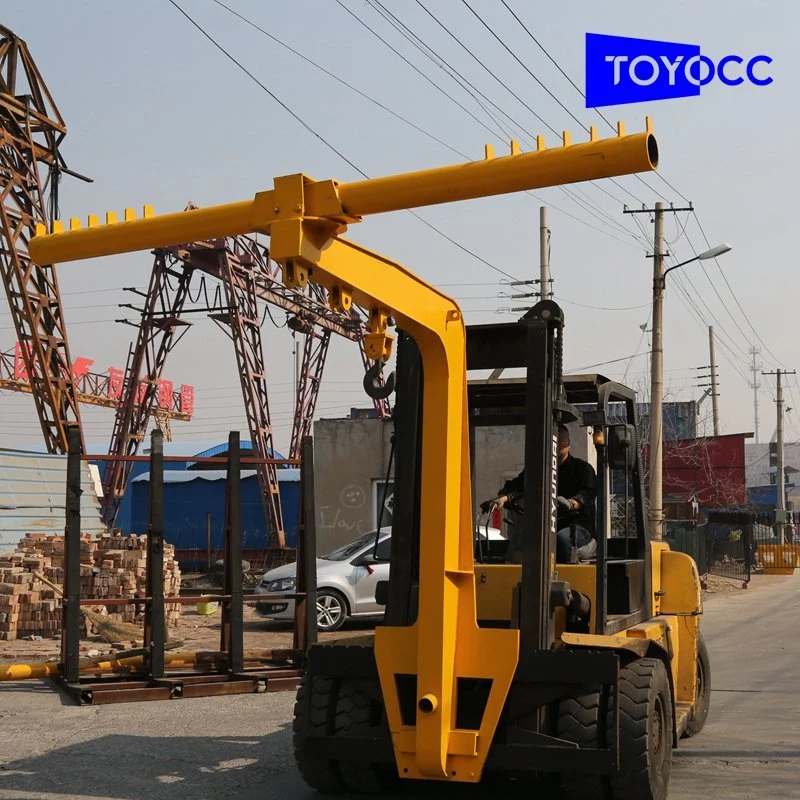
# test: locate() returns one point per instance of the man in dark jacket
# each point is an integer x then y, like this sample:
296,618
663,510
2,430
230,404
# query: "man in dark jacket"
576,496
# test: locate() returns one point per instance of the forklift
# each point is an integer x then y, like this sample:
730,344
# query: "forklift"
588,671
611,669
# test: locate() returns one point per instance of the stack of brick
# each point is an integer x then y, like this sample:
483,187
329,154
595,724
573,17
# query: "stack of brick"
110,567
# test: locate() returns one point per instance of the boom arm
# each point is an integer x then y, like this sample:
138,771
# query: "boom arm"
304,219
620,155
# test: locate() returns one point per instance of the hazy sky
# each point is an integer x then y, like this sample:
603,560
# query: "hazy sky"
156,114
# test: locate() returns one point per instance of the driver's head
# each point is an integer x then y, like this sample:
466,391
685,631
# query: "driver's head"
563,443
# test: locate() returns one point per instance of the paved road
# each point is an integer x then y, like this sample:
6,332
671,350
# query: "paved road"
240,747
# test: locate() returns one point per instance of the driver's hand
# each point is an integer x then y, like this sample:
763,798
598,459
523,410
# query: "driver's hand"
564,504
495,502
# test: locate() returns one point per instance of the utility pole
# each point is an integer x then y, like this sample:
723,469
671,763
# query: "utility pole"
780,501
656,454
714,393
656,509
755,386
545,282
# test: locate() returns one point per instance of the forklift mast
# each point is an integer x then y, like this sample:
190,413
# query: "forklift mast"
428,659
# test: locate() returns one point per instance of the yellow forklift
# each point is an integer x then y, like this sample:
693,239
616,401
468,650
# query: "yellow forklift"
590,672
610,669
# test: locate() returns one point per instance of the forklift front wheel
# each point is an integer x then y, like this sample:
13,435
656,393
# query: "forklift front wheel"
579,722
645,731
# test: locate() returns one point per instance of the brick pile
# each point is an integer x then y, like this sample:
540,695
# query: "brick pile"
110,566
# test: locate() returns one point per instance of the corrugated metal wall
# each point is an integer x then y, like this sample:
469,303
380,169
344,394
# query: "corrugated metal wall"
32,493
191,495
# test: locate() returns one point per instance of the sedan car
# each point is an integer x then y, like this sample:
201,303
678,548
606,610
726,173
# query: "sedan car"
346,581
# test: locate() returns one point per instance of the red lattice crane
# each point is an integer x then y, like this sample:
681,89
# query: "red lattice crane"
248,277
31,130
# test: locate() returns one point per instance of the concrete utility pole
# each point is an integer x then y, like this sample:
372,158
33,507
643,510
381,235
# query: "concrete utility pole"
780,501
656,510
656,506
714,393
545,282
755,386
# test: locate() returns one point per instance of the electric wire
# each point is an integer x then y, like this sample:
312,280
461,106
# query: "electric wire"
280,102
583,95
337,77
325,141
422,130
416,69
432,55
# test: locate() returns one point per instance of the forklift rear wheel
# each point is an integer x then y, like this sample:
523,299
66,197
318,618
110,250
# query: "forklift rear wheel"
312,717
578,722
645,731
359,712
703,702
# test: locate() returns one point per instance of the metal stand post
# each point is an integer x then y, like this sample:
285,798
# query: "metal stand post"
305,609
232,610
71,619
154,622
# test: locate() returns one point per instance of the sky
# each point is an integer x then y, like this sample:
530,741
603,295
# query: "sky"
157,114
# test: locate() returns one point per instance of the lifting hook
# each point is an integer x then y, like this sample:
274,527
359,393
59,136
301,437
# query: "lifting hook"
372,385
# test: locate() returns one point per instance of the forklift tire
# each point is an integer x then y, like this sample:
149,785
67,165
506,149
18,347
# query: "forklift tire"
360,712
703,702
313,715
645,731
578,722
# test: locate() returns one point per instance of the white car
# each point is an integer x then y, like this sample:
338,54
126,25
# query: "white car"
346,581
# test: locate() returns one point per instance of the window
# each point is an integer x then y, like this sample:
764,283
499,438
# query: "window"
379,487
384,550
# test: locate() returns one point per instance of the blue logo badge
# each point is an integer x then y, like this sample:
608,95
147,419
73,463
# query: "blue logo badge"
622,70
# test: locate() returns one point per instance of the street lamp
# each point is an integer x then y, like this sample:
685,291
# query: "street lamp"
656,509
719,250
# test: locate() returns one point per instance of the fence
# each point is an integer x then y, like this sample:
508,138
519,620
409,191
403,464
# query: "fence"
733,543
729,546
722,546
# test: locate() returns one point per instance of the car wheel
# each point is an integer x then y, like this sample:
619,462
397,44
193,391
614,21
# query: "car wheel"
331,610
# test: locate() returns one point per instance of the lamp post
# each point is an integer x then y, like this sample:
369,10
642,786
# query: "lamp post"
655,507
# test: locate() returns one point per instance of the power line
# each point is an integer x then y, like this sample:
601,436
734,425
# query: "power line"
604,363
434,55
583,95
338,78
322,139
523,65
280,102
736,299
416,69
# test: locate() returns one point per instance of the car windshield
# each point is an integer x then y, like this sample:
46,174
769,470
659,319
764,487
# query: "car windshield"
349,550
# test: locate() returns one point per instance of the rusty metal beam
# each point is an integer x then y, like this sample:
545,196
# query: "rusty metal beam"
243,324
31,129
315,350
160,329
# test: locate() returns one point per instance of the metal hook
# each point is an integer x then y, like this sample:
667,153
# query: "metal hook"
372,385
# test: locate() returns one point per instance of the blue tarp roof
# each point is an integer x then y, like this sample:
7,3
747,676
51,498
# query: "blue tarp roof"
180,476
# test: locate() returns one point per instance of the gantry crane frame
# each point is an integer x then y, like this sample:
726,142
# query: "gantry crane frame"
31,131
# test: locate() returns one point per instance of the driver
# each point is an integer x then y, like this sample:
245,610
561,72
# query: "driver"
576,495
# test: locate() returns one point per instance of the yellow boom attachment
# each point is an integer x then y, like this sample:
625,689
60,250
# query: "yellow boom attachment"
305,219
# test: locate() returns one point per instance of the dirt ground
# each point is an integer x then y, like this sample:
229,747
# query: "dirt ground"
197,632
